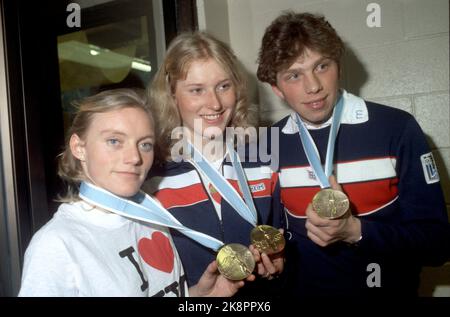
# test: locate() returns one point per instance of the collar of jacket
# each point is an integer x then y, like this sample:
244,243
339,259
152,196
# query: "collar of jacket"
355,112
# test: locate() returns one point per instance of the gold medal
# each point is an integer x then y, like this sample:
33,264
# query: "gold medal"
235,261
330,203
267,239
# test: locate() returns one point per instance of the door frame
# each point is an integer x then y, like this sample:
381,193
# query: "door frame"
31,117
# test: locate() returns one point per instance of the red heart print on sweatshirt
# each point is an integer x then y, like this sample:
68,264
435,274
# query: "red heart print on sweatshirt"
157,252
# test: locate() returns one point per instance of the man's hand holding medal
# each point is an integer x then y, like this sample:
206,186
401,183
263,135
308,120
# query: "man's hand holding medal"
341,226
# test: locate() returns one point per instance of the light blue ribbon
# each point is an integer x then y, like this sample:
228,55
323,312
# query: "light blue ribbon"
145,208
224,187
311,150
242,180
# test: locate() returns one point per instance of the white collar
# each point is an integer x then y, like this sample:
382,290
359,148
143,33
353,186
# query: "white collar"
217,163
309,126
354,112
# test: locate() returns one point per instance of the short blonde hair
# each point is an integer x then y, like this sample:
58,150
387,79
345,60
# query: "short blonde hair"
69,167
183,50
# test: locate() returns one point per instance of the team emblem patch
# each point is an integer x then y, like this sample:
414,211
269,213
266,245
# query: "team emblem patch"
429,168
257,187
311,175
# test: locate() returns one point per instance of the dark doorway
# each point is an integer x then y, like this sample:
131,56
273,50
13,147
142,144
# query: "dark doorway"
39,90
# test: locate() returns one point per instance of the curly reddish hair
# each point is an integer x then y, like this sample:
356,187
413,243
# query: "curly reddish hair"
287,37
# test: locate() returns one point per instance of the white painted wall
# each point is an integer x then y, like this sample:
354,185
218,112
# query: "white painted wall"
404,63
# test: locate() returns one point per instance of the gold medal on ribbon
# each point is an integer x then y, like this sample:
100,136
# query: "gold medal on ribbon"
330,203
267,239
235,261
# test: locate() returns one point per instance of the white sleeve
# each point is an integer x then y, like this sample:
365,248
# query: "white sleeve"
48,269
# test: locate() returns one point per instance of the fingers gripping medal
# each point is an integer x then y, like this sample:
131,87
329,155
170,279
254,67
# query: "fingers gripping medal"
330,203
267,239
235,261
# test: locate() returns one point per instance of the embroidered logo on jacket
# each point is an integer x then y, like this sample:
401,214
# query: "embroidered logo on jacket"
429,168
257,187
311,175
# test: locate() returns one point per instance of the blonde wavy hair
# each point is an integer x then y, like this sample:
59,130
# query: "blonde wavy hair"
69,167
182,52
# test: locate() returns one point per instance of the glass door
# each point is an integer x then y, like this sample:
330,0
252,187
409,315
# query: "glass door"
48,64
117,50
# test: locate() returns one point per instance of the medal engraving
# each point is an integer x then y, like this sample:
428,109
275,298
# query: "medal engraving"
330,203
267,239
235,261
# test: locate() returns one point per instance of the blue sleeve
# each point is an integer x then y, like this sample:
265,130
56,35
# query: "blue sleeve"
420,231
277,207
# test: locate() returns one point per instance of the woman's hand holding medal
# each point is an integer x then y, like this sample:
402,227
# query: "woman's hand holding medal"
213,283
265,255
267,248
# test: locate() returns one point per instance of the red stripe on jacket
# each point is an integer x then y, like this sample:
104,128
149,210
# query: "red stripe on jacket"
365,197
189,195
